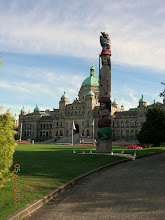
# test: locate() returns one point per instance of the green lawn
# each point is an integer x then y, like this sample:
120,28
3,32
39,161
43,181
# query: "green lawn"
45,167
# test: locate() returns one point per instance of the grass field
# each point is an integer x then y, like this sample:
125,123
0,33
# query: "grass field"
45,167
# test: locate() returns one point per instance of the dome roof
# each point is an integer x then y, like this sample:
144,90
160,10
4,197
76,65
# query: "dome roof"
92,80
15,117
142,99
90,92
36,109
23,109
64,96
115,102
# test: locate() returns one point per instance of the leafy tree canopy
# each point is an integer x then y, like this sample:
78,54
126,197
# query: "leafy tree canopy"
153,130
162,93
7,146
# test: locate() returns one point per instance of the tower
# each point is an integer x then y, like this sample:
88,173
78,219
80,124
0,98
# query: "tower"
104,143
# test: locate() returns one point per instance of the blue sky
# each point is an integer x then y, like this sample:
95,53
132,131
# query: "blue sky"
48,48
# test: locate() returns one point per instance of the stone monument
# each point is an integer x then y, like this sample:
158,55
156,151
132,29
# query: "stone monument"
104,141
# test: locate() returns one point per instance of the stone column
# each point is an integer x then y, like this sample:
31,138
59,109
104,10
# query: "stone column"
104,142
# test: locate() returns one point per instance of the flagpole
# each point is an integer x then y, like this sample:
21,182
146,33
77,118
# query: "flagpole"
21,132
72,135
93,131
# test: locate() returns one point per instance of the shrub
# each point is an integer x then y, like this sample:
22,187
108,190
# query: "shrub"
7,146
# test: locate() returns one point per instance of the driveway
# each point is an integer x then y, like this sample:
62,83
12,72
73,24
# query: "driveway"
133,190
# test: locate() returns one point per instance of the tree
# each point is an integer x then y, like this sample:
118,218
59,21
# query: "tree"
153,130
162,93
7,146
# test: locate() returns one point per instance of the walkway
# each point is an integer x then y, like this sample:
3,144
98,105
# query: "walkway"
128,191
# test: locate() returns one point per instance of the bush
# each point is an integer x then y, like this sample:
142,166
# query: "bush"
7,146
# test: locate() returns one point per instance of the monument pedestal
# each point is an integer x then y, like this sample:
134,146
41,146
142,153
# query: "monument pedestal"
104,146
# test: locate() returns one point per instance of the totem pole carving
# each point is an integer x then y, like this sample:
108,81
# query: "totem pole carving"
104,123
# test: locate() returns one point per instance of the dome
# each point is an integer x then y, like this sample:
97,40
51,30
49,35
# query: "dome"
92,80
90,92
15,117
114,102
64,96
142,99
23,109
36,109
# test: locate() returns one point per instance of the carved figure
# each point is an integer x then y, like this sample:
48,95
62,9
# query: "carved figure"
105,41
105,133
104,122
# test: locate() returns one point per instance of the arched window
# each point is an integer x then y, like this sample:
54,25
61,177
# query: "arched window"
122,124
44,126
132,123
136,123
47,126
127,123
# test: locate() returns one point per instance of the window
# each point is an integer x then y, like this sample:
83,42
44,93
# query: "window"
122,124
113,124
47,126
132,123
118,124
44,126
136,123
127,132
127,123
61,133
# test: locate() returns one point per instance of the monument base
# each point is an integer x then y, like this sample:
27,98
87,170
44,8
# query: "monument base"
104,146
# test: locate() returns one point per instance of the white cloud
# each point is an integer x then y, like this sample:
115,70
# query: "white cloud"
70,30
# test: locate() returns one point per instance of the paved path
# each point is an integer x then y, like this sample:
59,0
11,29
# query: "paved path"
133,190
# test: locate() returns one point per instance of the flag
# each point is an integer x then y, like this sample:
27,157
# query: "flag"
73,127
93,123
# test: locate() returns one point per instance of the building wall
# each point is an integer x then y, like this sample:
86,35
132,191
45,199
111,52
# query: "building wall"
41,126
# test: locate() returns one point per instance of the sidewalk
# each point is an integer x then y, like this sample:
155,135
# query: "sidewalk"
132,190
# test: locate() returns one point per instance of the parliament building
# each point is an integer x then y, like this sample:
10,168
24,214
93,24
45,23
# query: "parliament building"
44,125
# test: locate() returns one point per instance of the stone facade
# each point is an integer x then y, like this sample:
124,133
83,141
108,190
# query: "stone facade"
41,126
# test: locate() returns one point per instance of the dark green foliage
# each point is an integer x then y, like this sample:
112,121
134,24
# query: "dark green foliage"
7,146
153,130
162,93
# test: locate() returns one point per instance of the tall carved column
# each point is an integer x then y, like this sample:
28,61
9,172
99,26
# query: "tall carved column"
104,142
